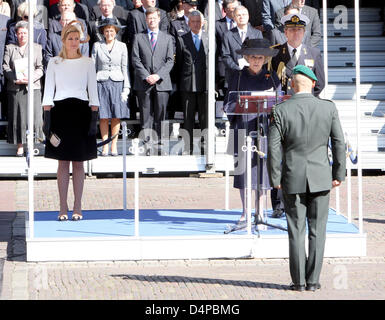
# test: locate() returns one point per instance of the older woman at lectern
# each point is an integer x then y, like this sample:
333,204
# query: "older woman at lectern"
253,77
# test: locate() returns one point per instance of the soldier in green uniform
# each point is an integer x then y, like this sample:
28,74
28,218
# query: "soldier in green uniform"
298,164
291,53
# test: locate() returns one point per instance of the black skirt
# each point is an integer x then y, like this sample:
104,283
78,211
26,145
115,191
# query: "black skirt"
70,121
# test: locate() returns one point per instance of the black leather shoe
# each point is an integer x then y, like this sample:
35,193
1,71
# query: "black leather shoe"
277,213
297,287
313,286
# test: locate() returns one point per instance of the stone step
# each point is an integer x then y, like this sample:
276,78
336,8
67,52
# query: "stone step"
348,74
347,44
348,59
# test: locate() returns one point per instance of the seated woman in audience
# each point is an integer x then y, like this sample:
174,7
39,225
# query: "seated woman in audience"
39,33
111,60
15,70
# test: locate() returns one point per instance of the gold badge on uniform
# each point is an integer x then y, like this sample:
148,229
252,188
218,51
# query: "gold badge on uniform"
309,63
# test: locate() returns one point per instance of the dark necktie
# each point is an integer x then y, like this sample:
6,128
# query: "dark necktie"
294,57
231,24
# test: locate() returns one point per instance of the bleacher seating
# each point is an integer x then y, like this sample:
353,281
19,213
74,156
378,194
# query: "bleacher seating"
341,89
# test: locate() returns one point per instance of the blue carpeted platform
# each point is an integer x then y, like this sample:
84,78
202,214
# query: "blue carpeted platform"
161,223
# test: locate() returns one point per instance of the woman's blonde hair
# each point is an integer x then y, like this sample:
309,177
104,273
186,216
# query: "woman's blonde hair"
73,26
23,9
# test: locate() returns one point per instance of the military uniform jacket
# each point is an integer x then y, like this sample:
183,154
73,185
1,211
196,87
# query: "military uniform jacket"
311,57
179,27
302,125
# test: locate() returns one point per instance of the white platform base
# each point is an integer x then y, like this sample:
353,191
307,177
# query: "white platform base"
167,248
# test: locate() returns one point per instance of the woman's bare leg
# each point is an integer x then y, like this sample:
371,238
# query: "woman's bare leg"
78,183
63,177
103,124
115,127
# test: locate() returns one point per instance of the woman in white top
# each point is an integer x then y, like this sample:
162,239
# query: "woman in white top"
70,105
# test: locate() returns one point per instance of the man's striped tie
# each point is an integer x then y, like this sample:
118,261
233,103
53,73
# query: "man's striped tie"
153,40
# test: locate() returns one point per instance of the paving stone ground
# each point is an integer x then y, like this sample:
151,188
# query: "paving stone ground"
232,279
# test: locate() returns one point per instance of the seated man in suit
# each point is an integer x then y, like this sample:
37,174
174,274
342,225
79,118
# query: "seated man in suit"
79,9
298,164
269,9
152,61
136,20
313,27
192,65
219,12
233,40
255,6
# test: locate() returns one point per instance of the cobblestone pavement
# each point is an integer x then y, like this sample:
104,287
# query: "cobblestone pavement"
236,279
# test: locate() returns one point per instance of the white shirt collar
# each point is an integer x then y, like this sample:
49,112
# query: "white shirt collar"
228,21
291,50
199,34
239,31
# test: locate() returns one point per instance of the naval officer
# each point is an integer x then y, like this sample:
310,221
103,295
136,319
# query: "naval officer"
294,52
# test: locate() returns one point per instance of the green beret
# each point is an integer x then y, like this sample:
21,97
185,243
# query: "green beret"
301,69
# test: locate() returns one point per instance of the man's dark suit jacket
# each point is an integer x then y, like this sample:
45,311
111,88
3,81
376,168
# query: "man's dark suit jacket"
255,11
136,22
232,42
4,20
191,64
269,8
204,7
118,12
146,62
81,11
220,31
309,56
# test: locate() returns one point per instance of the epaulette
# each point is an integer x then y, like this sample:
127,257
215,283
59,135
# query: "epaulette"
326,100
276,45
